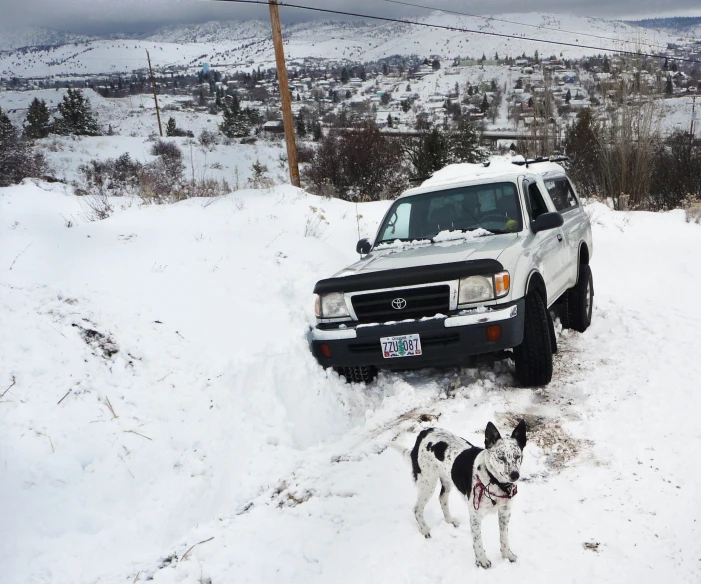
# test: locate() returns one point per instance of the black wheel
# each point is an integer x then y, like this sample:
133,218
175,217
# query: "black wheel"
534,356
358,374
580,300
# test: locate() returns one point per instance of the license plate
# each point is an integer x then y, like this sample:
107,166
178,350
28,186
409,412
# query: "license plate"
401,346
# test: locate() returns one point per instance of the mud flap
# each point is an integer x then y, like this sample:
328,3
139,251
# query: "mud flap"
551,328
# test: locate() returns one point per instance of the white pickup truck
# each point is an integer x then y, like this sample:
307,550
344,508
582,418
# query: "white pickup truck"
469,263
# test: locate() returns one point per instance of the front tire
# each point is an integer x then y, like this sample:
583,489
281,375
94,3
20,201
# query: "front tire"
534,356
580,300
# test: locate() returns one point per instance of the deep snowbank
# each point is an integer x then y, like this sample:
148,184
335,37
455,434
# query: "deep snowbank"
174,339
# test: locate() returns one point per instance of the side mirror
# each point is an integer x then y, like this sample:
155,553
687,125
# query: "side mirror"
364,246
547,221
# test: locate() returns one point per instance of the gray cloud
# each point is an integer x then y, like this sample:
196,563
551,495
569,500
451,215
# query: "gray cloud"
100,16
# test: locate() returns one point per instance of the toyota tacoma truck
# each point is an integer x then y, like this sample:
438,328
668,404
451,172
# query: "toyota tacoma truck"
469,263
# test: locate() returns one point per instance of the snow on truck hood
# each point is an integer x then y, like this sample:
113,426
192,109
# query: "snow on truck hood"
428,254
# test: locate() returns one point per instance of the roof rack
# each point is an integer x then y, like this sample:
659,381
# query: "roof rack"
539,159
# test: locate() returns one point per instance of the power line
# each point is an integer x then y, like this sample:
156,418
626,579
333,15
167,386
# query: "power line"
458,29
538,26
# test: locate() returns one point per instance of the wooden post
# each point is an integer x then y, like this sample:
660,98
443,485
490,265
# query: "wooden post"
155,96
284,94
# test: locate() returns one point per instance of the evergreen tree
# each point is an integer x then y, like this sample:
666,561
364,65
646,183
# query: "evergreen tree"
301,129
669,86
16,160
537,57
390,123
606,65
236,124
568,96
171,127
665,67
318,134
464,144
485,104
38,123
76,116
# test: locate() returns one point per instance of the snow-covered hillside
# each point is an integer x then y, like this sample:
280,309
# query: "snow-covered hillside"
34,36
156,391
237,45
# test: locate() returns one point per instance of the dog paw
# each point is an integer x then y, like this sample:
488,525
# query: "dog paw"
455,523
509,555
483,563
427,535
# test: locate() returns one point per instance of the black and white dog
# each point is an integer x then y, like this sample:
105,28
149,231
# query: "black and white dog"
485,477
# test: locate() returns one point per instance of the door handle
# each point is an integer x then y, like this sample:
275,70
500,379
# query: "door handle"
559,238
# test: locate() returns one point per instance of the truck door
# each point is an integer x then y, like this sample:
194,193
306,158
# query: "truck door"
551,247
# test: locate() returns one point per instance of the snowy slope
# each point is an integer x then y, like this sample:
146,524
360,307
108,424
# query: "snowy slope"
33,36
237,45
194,409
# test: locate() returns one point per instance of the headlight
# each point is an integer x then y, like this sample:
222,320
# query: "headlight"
483,288
331,306
476,289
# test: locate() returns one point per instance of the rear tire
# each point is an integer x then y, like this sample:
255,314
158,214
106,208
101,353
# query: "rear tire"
358,374
534,356
580,300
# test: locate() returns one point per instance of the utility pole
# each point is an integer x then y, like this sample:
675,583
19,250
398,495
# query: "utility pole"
155,96
284,94
693,113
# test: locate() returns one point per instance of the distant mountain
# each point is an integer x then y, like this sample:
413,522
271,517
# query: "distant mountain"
211,32
240,45
680,24
32,36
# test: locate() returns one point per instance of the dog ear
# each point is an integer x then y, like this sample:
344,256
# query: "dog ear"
491,435
519,434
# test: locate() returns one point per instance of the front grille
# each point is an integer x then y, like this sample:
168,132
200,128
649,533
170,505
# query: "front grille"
419,302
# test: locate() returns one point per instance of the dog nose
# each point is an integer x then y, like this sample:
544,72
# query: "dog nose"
514,475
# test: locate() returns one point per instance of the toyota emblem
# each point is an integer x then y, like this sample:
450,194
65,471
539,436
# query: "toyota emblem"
398,303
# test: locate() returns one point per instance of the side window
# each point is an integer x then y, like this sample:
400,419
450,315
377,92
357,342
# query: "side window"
398,226
561,193
536,203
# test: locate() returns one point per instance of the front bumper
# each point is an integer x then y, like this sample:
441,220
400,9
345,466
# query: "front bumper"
444,341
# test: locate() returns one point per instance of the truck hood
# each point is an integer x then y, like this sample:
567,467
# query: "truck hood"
411,255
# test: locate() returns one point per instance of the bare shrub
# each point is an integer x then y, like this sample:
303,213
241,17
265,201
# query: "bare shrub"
359,165
260,178
208,139
693,213
305,153
315,224
96,207
111,177
676,180
626,148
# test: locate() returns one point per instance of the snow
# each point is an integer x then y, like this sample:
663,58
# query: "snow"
212,420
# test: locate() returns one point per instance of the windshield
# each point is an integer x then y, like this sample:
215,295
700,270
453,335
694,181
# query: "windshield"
491,207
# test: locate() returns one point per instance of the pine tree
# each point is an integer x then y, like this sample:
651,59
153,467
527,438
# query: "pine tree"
606,67
171,127
38,124
390,123
669,86
76,116
318,134
16,160
665,67
568,96
300,129
464,144
485,104
236,124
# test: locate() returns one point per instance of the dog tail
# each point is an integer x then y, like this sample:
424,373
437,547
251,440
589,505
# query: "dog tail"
405,452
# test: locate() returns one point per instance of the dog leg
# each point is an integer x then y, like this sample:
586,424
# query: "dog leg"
504,516
426,488
480,556
443,498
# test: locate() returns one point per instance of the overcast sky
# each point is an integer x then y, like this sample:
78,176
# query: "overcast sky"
100,16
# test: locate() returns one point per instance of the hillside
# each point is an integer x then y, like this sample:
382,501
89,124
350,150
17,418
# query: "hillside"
239,45
158,391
